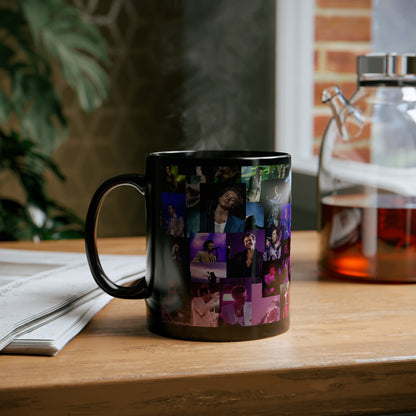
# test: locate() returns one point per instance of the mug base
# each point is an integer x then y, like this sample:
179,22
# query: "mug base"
219,334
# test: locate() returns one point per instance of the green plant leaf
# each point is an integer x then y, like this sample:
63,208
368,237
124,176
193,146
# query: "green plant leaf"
16,37
21,157
14,222
4,107
77,45
38,108
6,55
34,33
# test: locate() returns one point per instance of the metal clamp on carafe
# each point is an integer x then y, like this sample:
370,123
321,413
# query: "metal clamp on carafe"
367,174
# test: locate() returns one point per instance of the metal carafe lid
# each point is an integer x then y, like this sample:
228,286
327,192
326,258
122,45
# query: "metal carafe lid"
389,67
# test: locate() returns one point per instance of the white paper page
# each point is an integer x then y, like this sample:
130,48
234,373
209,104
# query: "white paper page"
51,334
58,281
50,338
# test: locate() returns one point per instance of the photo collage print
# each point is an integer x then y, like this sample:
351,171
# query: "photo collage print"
228,230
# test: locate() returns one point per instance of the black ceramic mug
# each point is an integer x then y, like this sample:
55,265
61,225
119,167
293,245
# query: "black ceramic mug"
218,243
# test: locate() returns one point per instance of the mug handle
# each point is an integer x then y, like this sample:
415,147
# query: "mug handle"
140,289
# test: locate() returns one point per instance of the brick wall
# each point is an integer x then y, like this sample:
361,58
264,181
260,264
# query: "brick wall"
342,32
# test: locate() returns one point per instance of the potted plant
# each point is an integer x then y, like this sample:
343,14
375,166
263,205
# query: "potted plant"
37,38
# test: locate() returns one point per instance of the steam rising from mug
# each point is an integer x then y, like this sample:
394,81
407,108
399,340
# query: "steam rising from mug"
227,94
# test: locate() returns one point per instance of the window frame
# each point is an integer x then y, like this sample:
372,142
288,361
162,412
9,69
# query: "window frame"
294,83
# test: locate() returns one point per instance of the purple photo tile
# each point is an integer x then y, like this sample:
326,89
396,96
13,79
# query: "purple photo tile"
265,310
202,243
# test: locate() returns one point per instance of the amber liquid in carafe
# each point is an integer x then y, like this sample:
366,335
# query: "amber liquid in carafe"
364,240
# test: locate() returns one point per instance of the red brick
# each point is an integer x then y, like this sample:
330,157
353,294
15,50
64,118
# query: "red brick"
344,4
343,28
352,152
319,125
346,150
341,62
365,133
356,148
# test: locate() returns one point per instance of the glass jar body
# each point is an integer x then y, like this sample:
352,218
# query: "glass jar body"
367,187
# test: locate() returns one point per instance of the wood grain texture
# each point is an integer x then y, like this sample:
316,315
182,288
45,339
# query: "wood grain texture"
351,349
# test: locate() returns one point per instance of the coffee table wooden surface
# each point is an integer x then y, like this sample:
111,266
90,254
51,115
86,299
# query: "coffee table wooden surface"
351,349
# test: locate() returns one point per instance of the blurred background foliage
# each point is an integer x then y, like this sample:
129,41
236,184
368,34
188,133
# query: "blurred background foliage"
38,38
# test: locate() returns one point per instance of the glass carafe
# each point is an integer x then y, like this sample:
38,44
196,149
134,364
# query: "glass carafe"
367,174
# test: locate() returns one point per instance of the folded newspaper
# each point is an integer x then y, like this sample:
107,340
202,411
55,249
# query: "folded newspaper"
46,298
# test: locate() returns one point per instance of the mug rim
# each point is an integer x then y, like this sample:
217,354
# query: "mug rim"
216,155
